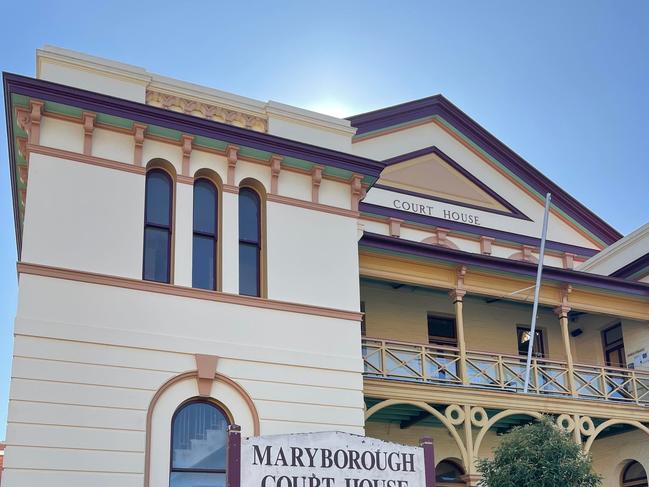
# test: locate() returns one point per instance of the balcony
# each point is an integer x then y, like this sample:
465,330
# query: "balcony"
444,365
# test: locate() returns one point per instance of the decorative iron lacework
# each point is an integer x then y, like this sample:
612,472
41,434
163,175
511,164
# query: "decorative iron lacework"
204,110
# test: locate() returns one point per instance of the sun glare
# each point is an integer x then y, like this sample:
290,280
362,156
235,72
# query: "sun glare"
332,108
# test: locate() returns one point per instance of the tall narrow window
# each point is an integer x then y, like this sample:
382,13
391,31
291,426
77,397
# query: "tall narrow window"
249,242
157,226
198,445
613,341
205,234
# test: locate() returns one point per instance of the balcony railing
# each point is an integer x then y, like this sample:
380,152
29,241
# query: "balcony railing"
443,365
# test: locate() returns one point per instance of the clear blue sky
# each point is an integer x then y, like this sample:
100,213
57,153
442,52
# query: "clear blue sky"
564,84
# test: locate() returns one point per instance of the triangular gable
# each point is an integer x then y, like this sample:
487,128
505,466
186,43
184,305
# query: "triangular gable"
431,173
411,114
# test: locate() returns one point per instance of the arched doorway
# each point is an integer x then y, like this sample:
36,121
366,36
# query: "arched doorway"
634,475
449,474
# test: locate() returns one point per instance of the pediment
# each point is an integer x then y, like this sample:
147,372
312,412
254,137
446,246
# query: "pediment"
431,173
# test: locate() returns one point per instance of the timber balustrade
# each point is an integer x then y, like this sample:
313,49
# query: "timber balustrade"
440,364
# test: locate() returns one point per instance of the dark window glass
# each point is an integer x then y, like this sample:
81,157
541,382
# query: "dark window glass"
198,446
205,202
248,269
363,323
249,242
523,335
448,471
203,262
158,198
634,475
157,226
156,254
441,330
249,215
205,234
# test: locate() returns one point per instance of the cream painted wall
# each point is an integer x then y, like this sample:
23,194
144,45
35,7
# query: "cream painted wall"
588,347
183,217
60,71
401,314
83,375
61,134
230,244
83,217
611,455
309,133
312,257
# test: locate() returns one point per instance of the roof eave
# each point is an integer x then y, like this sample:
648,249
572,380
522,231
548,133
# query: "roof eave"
498,264
439,105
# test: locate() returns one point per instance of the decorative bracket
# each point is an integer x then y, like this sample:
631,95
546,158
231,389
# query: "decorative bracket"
316,179
88,129
232,153
275,167
187,152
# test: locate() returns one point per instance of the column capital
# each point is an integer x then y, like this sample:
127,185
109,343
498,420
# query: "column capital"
562,310
457,294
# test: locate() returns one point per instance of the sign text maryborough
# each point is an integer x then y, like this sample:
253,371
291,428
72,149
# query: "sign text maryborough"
329,459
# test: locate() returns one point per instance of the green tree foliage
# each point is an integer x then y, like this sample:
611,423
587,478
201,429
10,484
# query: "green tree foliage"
538,455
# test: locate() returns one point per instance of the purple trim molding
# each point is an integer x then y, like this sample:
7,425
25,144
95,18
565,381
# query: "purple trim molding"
439,105
233,457
140,112
515,212
429,460
368,208
635,267
417,249
12,168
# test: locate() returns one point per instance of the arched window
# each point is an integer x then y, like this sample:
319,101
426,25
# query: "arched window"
199,443
249,242
158,209
204,245
634,475
449,473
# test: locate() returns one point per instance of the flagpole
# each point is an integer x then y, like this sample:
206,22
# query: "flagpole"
537,289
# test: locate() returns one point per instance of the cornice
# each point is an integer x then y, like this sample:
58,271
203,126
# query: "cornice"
621,246
139,112
370,209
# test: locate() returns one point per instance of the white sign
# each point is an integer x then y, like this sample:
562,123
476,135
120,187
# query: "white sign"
439,209
329,459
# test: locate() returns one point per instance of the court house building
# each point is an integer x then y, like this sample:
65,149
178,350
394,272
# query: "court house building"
190,259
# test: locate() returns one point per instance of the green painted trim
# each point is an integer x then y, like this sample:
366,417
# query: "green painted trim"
115,121
61,109
201,141
164,132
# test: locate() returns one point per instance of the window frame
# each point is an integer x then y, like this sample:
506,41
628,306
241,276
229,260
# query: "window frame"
169,229
542,343
449,483
216,285
259,244
440,340
635,482
615,346
228,419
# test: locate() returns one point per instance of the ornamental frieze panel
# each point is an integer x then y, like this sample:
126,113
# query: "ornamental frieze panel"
207,111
